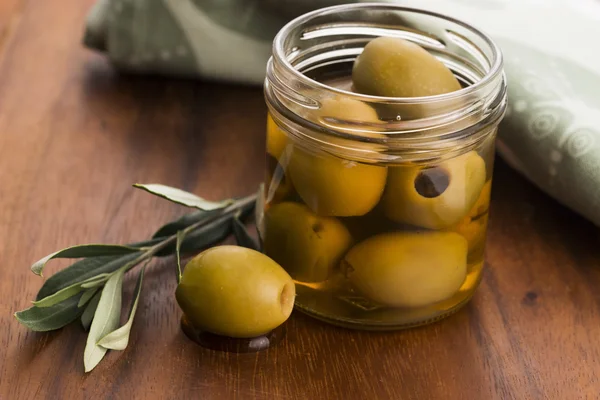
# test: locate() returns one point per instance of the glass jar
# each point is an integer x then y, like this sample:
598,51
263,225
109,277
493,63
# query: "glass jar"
378,206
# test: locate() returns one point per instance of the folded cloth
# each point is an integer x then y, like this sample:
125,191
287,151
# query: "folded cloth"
551,132
215,39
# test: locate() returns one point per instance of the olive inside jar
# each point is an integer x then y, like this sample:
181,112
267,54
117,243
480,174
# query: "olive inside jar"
377,206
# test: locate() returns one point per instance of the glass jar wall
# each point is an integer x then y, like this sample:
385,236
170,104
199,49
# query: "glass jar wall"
378,206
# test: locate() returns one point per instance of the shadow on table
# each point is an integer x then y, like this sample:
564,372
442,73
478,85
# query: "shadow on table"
519,207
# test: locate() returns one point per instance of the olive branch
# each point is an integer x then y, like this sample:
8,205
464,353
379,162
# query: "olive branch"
90,289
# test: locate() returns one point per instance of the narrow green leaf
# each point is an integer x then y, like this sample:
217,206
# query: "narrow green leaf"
59,296
182,197
146,243
119,338
247,210
242,237
106,319
87,296
84,250
100,277
82,270
95,281
186,220
207,235
180,237
50,318
90,310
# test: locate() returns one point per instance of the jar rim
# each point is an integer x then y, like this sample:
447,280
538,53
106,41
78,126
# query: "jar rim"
496,64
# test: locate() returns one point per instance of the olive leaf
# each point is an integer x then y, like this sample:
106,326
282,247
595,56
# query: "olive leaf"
90,310
207,235
186,220
59,296
180,237
242,236
95,281
119,338
84,250
50,318
106,319
87,296
182,197
70,291
81,270
202,237
147,243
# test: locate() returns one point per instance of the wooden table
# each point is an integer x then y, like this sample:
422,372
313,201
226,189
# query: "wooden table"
74,135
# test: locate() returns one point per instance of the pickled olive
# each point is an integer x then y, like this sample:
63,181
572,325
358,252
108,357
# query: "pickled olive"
276,138
234,291
483,201
395,67
346,110
473,226
332,186
372,223
474,230
434,197
337,112
404,269
279,186
306,245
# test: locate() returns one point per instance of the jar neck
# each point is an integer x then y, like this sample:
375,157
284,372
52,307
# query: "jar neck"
407,128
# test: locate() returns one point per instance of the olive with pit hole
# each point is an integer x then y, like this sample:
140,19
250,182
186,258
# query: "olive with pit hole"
434,197
308,246
403,269
234,291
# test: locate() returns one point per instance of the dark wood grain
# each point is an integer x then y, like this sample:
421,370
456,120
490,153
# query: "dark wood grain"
74,135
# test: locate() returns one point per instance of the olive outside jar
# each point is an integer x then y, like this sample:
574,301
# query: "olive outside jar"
378,206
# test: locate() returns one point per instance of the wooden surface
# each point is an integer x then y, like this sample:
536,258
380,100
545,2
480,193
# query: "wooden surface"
74,135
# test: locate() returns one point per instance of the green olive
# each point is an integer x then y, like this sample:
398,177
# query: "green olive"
474,231
345,109
335,111
403,269
276,139
482,204
278,186
333,186
434,197
473,226
306,245
234,291
395,67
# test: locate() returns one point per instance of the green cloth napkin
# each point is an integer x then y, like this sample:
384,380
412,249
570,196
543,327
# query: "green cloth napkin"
550,133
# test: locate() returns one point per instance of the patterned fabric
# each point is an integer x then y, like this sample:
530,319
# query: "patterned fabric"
551,132
216,39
